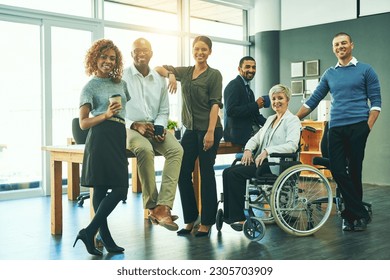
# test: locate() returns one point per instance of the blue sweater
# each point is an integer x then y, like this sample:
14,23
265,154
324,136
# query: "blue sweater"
354,90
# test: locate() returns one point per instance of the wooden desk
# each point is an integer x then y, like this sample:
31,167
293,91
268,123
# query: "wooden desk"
73,155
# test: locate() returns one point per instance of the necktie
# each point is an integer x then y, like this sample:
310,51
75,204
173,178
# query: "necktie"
251,96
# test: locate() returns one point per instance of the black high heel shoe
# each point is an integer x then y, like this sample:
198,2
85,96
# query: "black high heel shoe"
107,241
113,248
203,233
184,231
88,242
194,228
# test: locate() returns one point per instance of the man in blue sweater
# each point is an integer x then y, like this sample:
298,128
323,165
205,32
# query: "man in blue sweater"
356,104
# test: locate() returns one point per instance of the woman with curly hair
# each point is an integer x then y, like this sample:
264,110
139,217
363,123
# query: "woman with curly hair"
105,164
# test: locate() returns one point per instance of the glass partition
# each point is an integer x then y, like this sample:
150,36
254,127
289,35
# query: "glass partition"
68,78
20,107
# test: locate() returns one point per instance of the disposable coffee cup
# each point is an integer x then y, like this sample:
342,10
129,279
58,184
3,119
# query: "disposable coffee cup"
115,98
158,130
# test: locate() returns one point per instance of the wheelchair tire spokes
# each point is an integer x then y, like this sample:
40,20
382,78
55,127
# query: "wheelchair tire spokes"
294,197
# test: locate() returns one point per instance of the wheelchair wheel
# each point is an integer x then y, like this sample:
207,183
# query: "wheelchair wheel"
301,200
255,229
219,220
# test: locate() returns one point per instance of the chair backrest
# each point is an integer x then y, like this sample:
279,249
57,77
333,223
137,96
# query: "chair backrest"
324,142
79,135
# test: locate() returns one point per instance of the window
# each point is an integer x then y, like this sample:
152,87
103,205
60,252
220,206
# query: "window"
20,107
156,14
216,20
68,78
64,7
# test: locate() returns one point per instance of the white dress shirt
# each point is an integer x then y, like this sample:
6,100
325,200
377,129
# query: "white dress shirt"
149,97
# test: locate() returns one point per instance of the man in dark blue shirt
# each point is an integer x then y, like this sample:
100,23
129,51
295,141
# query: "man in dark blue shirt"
242,116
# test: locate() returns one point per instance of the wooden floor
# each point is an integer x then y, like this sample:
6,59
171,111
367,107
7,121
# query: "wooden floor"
25,235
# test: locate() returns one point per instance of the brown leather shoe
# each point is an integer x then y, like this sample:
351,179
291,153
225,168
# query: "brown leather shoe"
173,217
161,215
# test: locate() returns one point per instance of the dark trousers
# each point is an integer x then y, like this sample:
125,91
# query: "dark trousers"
234,187
346,154
192,142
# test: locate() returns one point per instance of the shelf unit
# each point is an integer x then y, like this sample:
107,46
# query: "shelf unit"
311,143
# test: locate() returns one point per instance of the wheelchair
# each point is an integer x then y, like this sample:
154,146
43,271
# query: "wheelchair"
299,200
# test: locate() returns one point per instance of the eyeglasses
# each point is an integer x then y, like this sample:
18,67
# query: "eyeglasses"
144,51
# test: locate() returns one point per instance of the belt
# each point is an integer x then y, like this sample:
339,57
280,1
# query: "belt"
116,119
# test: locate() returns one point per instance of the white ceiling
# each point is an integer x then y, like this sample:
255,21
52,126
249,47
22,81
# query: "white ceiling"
198,9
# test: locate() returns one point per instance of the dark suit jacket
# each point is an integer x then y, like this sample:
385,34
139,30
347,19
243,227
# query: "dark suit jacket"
239,112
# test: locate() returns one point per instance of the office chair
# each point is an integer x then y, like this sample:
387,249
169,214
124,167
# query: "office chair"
324,161
79,137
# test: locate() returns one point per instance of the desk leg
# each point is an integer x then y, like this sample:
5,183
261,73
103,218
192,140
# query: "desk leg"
91,210
196,181
73,180
56,196
136,183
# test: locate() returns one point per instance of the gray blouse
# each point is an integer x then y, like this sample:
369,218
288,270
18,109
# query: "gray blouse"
98,91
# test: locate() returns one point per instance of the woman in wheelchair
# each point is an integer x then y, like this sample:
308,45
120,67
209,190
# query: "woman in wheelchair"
280,134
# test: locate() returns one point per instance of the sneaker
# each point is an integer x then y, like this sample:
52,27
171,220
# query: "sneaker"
347,225
361,224
237,226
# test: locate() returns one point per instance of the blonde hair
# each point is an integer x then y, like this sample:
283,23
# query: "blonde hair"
280,88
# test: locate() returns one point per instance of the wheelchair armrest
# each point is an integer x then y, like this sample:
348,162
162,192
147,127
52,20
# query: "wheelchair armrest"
309,128
283,155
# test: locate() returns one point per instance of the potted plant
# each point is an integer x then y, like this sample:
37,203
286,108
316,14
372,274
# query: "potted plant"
172,125
173,128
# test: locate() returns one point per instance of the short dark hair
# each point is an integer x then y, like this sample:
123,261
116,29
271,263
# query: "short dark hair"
245,58
343,34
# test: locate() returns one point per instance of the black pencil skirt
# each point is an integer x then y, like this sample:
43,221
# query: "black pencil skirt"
105,163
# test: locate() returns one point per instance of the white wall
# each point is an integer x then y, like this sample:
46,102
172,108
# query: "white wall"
302,13
265,16
271,15
371,7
